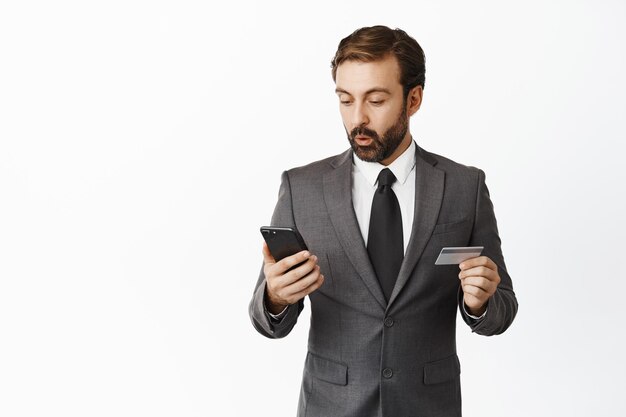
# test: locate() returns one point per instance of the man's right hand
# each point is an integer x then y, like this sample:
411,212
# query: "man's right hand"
284,288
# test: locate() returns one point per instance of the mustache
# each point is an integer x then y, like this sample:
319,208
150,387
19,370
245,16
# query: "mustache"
363,131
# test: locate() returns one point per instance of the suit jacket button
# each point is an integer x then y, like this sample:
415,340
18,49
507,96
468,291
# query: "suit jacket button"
387,373
388,322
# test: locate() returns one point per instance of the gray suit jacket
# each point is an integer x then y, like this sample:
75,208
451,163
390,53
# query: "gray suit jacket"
367,357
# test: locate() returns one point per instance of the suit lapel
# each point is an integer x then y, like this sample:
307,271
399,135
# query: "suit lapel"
338,199
429,184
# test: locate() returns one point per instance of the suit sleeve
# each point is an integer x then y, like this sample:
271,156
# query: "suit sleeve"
502,306
261,320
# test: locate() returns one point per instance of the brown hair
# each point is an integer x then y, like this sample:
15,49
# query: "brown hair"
374,43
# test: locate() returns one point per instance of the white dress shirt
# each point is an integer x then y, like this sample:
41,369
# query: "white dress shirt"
365,183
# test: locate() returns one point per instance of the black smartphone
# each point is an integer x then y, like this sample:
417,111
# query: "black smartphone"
283,241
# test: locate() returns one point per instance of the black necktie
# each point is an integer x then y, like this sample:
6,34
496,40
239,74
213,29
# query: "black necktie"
384,241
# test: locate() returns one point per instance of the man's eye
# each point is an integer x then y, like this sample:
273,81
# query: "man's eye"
345,102
376,102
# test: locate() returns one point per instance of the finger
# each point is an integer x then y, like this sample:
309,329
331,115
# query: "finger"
297,274
301,271
279,279
479,282
480,271
267,256
302,283
289,292
290,261
282,275
475,291
309,289
478,261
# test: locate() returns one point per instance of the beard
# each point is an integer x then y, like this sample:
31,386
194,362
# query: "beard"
382,146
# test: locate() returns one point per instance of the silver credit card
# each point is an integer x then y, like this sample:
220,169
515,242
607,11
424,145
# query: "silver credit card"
456,255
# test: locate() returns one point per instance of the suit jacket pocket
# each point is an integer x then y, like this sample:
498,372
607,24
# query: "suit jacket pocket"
452,227
326,370
442,370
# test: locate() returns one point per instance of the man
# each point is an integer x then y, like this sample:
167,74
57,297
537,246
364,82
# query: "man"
382,335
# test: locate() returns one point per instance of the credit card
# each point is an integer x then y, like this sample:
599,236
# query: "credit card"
456,255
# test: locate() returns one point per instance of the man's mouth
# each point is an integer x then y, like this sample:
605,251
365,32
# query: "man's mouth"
362,140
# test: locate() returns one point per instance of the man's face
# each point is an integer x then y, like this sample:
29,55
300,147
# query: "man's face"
373,109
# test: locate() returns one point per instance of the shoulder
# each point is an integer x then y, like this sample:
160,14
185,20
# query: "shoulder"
449,166
319,168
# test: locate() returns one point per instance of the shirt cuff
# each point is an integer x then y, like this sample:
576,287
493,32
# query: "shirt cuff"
278,316
470,315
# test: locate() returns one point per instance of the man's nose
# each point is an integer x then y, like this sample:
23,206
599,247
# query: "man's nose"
359,117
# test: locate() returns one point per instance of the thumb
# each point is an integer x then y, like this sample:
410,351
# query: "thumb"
267,256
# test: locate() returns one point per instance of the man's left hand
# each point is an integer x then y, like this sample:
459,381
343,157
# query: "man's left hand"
479,281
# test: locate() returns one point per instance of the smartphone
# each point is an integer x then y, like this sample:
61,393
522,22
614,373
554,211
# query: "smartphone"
283,241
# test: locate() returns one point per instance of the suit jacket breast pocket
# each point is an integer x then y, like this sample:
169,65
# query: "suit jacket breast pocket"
456,233
464,225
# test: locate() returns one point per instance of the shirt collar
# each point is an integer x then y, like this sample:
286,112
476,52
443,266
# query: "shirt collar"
401,167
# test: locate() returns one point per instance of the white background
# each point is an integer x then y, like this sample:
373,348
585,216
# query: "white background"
141,149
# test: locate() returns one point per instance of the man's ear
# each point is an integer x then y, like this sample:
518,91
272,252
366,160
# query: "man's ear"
414,99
